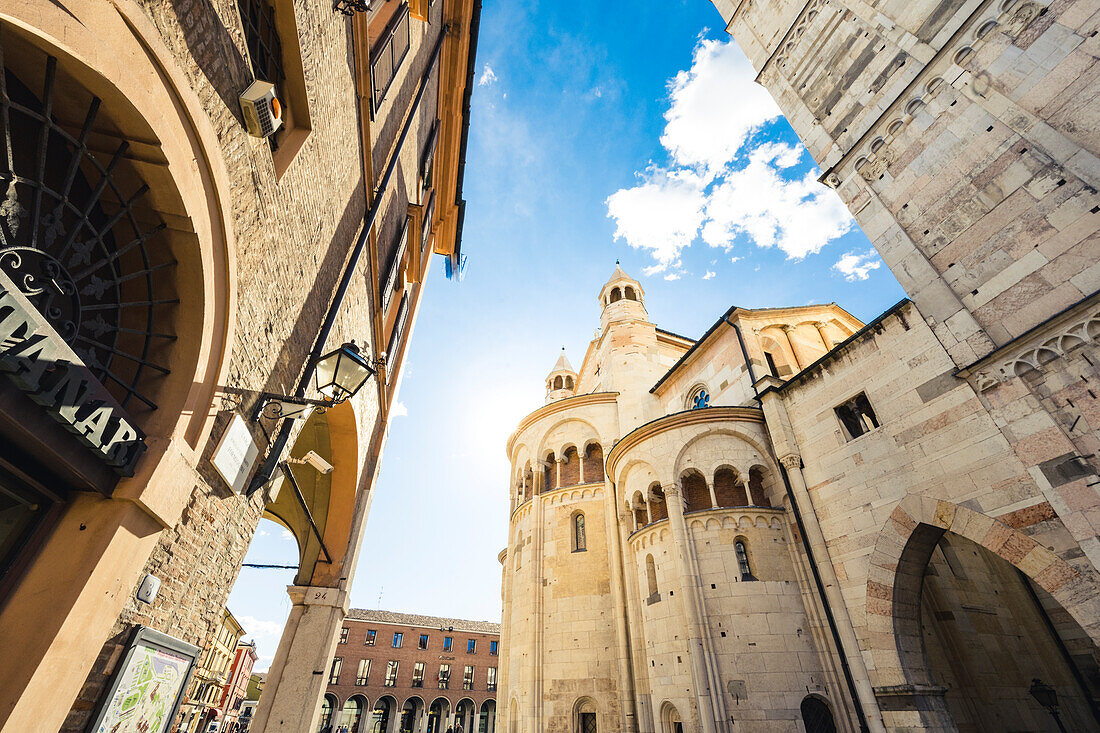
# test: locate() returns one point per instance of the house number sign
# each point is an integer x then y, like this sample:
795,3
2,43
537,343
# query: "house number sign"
41,364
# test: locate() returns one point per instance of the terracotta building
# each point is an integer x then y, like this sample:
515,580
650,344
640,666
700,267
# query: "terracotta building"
404,673
800,522
235,691
217,221
204,703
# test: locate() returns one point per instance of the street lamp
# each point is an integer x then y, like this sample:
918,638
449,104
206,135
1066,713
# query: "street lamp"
338,375
1047,696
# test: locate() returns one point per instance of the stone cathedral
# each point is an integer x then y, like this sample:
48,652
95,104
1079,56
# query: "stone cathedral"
802,522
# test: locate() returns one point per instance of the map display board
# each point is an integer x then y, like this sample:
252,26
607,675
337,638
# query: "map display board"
148,686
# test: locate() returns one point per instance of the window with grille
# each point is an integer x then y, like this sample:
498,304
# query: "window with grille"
398,329
394,270
363,672
444,676
468,678
334,673
265,49
423,643
588,723
387,55
856,416
343,636
369,640
418,674
391,673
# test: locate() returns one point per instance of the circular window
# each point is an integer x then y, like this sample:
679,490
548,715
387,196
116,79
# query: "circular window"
699,398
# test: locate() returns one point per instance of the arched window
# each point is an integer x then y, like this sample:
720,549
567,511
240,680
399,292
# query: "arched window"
696,493
549,474
743,560
557,382
569,382
584,716
641,515
328,702
651,580
727,490
630,295
699,398
658,509
593,463
758,487
817,716
570,467
580,541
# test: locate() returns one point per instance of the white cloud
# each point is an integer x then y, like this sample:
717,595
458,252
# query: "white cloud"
798,216
715,106
735,260
258,627
399,409
709,275
672,276
286,534
857,265
718,185
488,76
661,215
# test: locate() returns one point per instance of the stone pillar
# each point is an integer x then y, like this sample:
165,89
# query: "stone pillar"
793,463
820,326
688,583
291,701
628,716
798,360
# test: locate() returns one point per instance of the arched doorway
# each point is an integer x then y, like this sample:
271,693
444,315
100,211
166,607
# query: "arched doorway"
411,713
384,715
816,716
585,716
465,711
437,715
972,632
328,704
487,719
351,715
513,717
670,719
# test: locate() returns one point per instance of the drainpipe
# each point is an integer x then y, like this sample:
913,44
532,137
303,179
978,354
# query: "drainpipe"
263,476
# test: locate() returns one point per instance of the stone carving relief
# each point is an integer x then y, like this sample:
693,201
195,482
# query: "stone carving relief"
1037,352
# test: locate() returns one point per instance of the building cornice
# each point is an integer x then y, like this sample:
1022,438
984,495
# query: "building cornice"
680,420
584,400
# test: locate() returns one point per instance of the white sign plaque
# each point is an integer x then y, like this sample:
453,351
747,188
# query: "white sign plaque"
236,453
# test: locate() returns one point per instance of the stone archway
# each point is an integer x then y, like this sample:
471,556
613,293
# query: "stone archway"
913,652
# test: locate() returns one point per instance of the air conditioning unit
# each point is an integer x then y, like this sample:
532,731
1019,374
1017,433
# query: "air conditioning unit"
262,110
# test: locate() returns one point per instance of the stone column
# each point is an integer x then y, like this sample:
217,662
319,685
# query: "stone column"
291,701
821,326
688,583
798,360
793,463
628,715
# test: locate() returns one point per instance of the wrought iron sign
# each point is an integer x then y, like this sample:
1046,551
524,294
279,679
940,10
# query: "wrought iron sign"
40,363
87,282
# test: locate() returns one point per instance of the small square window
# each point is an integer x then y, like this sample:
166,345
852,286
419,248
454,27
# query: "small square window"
471,646
493,647
423,643
343,636
397,640
369,640
447,643
856,416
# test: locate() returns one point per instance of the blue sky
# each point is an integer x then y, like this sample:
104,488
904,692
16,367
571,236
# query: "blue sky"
600,131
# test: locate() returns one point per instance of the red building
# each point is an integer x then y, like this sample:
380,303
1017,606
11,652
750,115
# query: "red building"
400,673
236,686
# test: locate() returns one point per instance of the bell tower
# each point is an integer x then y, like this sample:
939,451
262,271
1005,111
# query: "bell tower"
562,380
621,299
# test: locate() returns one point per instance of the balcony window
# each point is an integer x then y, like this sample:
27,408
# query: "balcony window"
491,679
363,672
468,678
388,54
334,673
391,673
418,675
